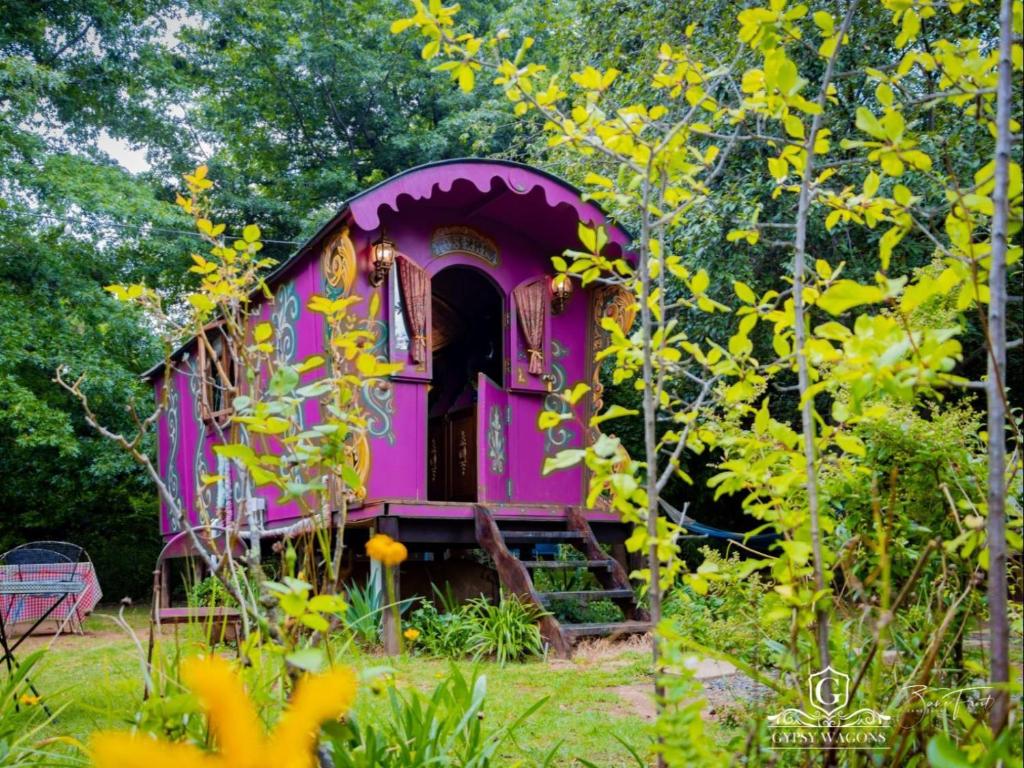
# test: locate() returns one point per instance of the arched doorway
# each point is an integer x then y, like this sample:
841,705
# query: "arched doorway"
467,312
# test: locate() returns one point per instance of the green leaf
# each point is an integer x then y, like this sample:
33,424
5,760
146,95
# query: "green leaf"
284,380
943,753
309,659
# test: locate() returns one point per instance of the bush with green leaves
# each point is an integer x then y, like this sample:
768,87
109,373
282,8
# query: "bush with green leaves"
442,633
506,630
22,717
446,728
729,617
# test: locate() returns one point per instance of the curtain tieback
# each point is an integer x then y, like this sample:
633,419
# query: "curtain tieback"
536,361
419,348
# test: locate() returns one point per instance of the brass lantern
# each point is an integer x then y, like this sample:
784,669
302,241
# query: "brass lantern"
561,290
382,256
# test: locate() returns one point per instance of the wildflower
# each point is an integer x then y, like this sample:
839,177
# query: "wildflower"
235,724
386,550
412,635
29,699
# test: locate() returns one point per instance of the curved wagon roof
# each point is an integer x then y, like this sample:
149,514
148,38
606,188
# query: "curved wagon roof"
507,193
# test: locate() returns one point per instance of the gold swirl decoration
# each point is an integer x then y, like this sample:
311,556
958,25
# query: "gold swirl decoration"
339,262
620,305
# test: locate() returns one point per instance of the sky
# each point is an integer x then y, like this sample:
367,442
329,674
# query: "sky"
132,160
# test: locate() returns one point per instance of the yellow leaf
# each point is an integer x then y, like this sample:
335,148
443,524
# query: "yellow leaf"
262,332
744,292
201,302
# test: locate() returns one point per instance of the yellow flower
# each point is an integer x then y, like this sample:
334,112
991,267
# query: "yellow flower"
235,725
386,550
29,699
412,635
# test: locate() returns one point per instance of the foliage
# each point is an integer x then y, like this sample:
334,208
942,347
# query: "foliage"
506,630
235,724
22,717
729,617
444,634
447,728
852,342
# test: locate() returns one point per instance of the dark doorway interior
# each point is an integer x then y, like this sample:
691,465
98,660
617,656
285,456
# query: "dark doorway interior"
467,311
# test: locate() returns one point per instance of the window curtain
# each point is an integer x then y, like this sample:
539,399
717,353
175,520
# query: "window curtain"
530,302
415,294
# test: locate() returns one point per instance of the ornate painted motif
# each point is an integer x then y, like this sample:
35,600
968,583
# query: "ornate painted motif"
379,398
173,478
462,454
558,436
285,318
496,443
447,240
615,302
241,483
338,262
199,465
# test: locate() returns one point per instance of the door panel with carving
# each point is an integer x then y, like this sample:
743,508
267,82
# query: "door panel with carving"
492,441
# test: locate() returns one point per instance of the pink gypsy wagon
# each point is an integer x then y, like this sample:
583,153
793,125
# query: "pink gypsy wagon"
454,456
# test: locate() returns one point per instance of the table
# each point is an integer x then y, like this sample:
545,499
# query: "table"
20,603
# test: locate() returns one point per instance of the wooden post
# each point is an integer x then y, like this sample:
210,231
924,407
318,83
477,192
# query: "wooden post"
165,584
391,624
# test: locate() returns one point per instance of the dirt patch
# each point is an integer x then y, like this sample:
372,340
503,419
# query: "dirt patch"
637,699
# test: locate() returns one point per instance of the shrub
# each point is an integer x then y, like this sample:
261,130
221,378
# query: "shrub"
448,728
21,717
506,631
442,634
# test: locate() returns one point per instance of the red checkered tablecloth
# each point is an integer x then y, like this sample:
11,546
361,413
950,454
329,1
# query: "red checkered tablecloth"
29,607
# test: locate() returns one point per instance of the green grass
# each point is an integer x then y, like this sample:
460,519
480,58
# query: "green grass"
96,680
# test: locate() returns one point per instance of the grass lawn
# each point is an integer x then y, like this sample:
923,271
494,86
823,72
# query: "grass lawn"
601,694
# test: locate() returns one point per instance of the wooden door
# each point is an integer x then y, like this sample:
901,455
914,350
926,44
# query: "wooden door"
492,441
462,454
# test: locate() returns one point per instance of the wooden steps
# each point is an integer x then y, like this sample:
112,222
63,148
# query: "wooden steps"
588,595
613,629
542,537
515,576
568,564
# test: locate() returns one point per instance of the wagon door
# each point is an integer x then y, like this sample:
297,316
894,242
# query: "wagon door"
492,441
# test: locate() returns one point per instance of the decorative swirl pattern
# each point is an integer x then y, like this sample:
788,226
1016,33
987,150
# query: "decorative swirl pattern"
285,318
379,397
174,439
338,261
199,465
496,441
558,436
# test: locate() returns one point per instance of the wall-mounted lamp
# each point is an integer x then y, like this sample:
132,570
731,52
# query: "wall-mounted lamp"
561,290
382,256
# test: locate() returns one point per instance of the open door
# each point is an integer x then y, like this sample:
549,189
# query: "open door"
492,422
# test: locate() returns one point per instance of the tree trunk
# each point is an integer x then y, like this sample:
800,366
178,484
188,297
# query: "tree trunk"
994,391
